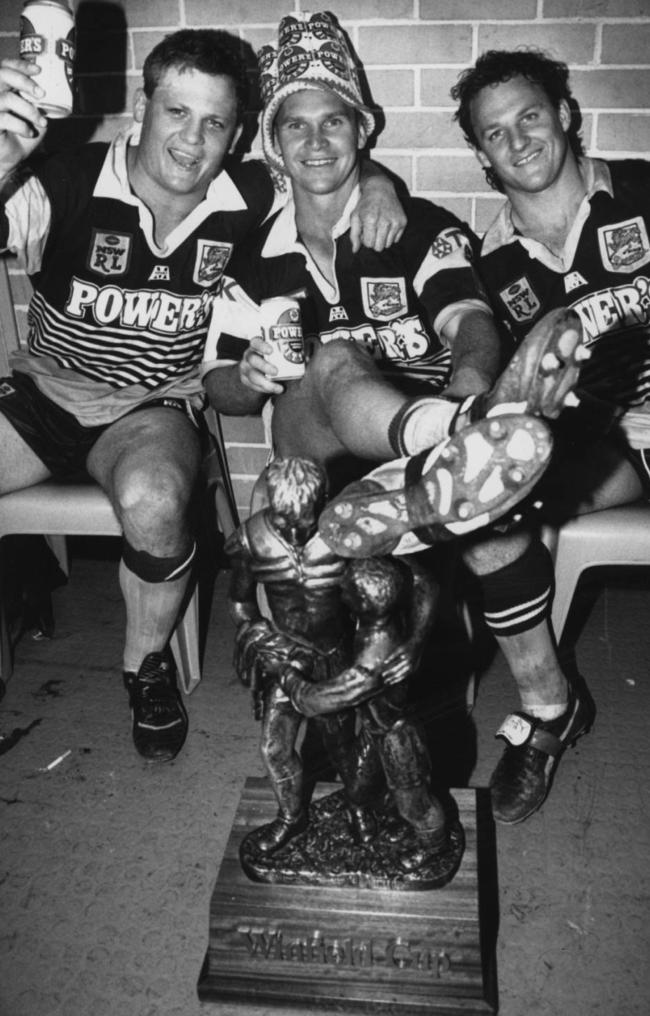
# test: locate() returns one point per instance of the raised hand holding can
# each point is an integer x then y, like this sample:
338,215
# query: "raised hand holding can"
47,39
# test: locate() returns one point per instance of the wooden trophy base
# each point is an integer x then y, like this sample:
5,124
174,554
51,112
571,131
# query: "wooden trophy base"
342,949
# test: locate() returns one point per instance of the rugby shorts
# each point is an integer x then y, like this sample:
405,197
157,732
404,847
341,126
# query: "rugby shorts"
53,434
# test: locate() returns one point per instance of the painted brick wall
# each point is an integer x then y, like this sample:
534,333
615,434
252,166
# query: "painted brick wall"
412,52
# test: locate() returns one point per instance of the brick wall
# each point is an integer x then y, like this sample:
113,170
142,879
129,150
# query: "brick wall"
412,52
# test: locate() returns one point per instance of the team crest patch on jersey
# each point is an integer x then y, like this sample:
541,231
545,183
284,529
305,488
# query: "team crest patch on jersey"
383,299
110,253
519,297
624,246
211,261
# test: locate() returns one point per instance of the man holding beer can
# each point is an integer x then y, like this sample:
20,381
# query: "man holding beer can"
47,38
125,245
403,361
399,342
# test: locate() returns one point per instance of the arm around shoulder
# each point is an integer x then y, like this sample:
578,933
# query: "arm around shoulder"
379,219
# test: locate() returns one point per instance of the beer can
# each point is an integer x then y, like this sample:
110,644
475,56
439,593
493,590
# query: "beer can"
47,38
282,328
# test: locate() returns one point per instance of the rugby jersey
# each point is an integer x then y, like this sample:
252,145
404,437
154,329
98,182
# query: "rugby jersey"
604,275
399,303
117,319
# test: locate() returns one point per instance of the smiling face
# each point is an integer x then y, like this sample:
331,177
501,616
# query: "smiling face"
319,137
188,126
521,135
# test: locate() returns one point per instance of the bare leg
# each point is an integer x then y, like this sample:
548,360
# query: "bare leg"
21,467
148,463
343,404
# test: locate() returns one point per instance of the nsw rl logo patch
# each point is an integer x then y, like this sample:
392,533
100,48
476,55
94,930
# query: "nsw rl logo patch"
624,246
520,299
110,253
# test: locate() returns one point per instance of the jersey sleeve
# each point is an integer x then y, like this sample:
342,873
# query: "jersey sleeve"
25,223
254,182
233,323
444,276
630,179
235,311
49,203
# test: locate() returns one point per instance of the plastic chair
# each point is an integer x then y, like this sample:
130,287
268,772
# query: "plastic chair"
615,536
57,510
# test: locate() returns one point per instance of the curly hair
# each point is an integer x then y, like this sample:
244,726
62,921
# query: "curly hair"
498,65
201,49
295,484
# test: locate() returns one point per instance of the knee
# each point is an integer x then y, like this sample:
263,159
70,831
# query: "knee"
336,359
487,555
157,497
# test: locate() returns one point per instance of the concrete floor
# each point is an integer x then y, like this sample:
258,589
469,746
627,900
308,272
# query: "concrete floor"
107,865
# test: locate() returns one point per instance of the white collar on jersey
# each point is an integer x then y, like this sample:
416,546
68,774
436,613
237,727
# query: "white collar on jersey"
596,176
113,181
283,234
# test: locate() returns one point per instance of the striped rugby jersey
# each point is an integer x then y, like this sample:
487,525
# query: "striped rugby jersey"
115,318
398,303
604,275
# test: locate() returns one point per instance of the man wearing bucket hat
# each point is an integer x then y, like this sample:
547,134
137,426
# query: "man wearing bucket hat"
418,309
420,312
